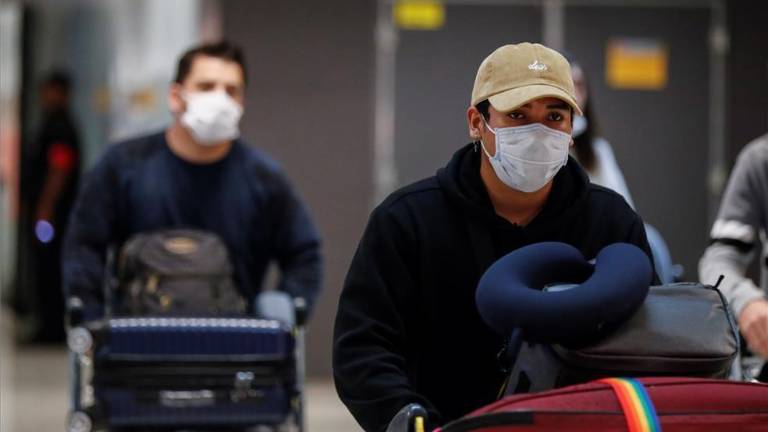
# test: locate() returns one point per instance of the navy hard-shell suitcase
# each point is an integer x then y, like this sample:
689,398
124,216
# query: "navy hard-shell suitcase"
184,373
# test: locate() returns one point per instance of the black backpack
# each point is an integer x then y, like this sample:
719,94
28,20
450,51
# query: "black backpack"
176,272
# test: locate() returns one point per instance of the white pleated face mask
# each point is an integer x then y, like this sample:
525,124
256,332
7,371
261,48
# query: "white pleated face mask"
212,117
528,157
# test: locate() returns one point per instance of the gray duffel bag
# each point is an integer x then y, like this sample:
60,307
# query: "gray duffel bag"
682,329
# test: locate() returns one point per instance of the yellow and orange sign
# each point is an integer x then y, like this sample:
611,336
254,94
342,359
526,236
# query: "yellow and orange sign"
636,64
419,14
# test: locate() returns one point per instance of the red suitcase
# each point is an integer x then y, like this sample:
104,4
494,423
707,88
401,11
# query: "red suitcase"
681,405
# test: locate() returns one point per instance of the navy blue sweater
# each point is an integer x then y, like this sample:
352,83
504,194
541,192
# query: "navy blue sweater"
245,198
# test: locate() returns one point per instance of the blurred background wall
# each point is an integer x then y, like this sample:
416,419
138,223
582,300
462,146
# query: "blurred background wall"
309,104
355,103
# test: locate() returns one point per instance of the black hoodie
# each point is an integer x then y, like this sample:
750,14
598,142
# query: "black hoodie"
407,329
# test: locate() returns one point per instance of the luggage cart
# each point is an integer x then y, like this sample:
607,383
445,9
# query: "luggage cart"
189,373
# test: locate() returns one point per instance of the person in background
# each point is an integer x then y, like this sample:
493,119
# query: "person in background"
50,174
196,174
591,150
595,155
735,240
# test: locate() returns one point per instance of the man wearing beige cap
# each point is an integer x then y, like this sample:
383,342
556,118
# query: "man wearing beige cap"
407,330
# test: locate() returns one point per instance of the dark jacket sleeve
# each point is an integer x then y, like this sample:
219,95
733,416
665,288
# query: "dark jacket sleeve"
297,246
637,237
91,231
370,364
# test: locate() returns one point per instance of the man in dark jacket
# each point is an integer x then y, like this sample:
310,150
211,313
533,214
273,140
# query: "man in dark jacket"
407,329
196,174
50,178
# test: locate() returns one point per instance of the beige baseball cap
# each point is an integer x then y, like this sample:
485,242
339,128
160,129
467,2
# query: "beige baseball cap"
514,75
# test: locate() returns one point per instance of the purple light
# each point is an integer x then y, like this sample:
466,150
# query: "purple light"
44,231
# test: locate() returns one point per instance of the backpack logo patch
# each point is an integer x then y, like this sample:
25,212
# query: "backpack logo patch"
181,245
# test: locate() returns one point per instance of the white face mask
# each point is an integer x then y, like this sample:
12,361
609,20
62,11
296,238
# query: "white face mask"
528,157
212,117
579,125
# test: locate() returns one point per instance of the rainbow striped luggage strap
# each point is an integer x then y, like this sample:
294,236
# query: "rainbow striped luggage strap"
637,406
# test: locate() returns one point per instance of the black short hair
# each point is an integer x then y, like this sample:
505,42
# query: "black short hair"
483,106
224,50
59,79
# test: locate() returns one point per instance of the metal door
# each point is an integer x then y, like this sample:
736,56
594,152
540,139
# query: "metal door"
660,137
435,72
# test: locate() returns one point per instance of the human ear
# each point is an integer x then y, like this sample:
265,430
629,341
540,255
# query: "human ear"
473,122
176,103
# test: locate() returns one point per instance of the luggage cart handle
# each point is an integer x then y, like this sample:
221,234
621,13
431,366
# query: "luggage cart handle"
75,311
78,313
411,418
418,424
300,309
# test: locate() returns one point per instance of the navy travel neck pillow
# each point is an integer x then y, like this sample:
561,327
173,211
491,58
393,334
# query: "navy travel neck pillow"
511,296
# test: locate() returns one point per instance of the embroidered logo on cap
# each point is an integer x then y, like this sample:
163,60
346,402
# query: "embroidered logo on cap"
538,66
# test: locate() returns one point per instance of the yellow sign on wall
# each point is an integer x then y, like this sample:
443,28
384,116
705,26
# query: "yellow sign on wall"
636,64
419,14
